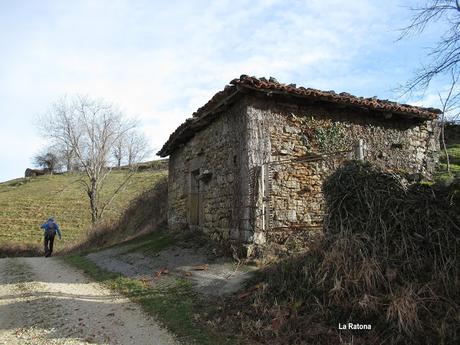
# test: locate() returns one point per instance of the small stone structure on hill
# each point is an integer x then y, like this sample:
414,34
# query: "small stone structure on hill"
36,172
249,166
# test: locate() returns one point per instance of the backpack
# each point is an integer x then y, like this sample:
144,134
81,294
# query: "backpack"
51,230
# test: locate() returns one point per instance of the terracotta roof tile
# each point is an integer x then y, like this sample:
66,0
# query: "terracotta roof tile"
372,103
201,118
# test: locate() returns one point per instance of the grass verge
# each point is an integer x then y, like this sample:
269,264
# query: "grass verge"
13,249
150,244
178,307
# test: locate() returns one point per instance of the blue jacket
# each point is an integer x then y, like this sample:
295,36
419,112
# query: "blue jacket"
46,226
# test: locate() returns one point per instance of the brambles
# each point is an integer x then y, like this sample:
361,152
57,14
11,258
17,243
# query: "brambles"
389,258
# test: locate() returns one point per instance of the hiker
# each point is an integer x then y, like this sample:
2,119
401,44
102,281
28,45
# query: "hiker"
50,228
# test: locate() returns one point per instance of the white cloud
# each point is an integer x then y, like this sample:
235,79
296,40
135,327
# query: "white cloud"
160,61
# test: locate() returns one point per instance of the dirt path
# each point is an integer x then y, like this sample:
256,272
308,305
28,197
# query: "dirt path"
44,301
219,277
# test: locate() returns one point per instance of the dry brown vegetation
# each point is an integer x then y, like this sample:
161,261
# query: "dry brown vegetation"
10,249
389,258
144,214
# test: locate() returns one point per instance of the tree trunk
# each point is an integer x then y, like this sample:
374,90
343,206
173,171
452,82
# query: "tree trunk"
92,194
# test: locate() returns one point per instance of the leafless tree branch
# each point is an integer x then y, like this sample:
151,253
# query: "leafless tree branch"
444,57
446,106
90,129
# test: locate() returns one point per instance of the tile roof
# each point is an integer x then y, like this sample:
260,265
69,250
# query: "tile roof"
204,115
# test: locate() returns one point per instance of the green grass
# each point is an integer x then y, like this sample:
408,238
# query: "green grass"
148,244
152,243
453,150
26,203
176,307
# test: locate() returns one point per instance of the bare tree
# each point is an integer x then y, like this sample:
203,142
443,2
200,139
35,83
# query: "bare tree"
47,160
68,157
130,148
444,58
119,150
447,104
137,147
65,157
89,129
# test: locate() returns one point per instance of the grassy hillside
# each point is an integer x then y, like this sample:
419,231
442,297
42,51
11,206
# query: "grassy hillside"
26,203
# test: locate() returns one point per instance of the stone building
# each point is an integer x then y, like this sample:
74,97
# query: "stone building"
248,167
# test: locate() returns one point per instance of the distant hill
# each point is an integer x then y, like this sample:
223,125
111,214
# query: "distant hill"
25,203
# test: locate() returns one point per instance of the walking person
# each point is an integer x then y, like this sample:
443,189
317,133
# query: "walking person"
50,228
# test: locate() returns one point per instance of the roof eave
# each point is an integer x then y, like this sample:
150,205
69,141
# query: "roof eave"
204,116
427,114
199,122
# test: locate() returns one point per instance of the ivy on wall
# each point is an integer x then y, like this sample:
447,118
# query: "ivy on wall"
323,135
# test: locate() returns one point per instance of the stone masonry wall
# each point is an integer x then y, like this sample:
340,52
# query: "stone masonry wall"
291,140
261,165
219,154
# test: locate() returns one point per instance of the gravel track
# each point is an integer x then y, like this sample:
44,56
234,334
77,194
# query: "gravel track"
45,301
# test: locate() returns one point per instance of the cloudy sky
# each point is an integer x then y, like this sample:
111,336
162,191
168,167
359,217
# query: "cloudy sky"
161,60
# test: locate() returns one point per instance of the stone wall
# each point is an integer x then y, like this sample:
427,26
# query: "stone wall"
261,164
301,145
36,172
217,156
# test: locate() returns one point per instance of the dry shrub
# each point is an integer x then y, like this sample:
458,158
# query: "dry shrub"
389,258
369,304
402,309
396,238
